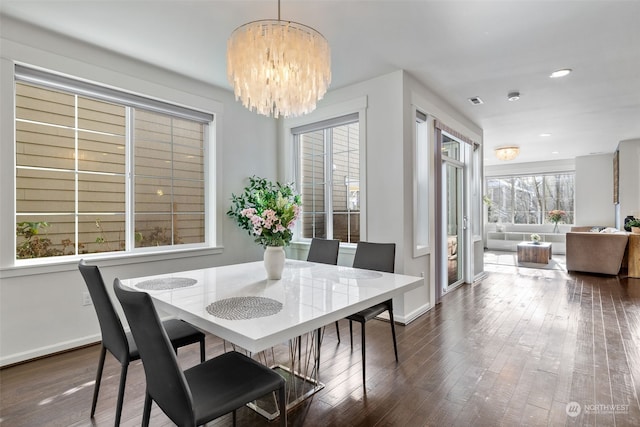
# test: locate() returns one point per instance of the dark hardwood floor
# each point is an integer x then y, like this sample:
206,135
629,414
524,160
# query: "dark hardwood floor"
513,349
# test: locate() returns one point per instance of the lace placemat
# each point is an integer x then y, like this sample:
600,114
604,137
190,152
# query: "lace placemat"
166,283
241,308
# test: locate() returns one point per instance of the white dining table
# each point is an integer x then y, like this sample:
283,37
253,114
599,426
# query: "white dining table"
238,303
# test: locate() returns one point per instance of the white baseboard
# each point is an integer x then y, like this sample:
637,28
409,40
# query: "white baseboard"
406,319
48,350
410,317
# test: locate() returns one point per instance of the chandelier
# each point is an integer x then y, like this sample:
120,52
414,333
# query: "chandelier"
507,153
278,68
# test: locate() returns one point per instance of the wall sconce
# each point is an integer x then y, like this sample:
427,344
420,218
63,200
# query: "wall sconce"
507,153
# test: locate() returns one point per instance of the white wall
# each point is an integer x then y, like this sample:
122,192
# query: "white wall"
594,190
41,307
629,179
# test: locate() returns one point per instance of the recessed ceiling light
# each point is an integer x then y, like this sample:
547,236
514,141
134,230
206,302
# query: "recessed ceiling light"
545,135
555,152
560,73
513,96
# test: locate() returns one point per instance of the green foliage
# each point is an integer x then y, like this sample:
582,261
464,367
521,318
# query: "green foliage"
35,245
101,239
33,241
267,211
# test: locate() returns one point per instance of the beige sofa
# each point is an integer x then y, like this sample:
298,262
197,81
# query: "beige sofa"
595,252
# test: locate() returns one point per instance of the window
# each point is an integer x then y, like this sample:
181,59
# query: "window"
528,199
421,185
451,148
98,170
328,177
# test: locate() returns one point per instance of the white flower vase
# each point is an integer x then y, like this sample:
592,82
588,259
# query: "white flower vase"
555,227
274,262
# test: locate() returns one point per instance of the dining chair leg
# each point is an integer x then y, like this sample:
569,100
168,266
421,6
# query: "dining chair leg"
202,355
96,388
146,411
393,333
123,381
233,417
351,332
282,406
364,360
338,331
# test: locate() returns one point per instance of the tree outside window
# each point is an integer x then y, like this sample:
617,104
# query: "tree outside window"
528,199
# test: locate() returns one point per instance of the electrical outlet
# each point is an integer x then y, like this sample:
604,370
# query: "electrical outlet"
86,299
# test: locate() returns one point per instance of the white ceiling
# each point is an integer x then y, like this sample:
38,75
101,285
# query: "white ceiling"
458,49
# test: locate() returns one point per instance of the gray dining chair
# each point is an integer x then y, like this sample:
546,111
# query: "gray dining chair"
121,344
203,392
379,257
324,251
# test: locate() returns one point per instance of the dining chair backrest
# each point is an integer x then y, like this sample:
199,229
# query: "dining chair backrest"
375,256
113,336
166,383
324,251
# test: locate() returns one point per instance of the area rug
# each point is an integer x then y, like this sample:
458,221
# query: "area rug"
557,262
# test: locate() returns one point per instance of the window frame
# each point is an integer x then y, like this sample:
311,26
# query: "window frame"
545,209
422,126
329,150
323,114
76,86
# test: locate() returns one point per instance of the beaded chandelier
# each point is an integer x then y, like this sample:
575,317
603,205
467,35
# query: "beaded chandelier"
278,68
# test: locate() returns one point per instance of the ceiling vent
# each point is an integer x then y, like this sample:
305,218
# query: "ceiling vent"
475,100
